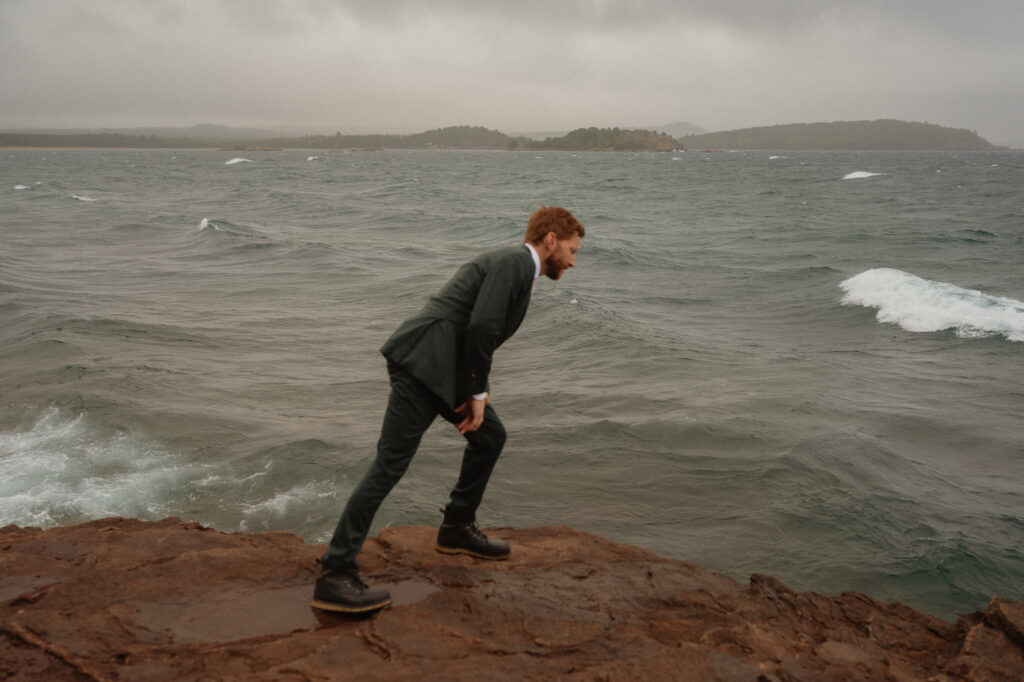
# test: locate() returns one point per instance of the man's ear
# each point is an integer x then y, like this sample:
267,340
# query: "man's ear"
550,241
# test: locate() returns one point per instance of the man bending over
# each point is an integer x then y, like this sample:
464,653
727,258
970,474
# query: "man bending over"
438,363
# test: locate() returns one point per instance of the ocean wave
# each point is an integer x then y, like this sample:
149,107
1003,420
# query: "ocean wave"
920,305
22,187
82,198
860,175
64,469
266,513
232,162
222,243
226,228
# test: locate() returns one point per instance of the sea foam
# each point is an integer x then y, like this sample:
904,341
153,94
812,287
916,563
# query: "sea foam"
237,160
62,468
206,224
859,175
921,305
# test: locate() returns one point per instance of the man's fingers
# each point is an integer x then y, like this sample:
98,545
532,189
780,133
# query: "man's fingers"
469,424
472,412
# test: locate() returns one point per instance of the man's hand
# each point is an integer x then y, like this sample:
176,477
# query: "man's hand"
472,412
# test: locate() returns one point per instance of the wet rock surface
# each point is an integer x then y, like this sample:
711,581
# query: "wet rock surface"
119,599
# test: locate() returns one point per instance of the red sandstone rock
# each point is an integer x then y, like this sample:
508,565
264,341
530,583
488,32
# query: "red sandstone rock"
119,599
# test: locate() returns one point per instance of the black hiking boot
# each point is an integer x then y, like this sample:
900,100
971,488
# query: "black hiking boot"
466,538
346,593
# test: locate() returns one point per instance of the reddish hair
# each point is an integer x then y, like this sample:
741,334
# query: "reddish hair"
552,219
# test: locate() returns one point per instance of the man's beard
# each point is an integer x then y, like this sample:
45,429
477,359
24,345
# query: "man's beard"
554,268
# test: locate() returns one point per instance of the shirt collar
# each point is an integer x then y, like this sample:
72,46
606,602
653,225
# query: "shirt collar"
536,259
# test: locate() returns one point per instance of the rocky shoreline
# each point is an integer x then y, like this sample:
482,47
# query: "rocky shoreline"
121,599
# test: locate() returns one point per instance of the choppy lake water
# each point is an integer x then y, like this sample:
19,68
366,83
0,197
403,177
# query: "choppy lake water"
809,365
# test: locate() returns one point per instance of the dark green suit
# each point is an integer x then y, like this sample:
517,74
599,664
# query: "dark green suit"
436,360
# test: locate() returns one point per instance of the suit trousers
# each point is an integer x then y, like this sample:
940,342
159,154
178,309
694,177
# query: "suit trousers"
411,409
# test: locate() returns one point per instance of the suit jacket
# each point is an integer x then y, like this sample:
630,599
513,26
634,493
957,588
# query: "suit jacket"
448,345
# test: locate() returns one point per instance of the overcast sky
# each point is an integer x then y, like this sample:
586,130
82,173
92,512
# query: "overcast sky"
511,65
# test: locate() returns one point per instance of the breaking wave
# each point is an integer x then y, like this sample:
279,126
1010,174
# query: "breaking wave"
921,305
62,468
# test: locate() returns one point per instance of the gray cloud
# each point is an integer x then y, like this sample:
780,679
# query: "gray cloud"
530,65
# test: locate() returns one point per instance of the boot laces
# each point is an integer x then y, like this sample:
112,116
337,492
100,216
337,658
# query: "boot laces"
475,531
356,582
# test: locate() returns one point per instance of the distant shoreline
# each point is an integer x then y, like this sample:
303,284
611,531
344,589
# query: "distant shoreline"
74,147
878,135
24,147
335,150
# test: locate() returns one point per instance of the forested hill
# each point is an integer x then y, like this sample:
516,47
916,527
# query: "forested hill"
454,137
884,134
605,139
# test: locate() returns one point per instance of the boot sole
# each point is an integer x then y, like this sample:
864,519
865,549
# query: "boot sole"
478,555
341,608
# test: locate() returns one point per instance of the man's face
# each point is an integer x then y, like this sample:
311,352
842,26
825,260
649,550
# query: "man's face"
563,257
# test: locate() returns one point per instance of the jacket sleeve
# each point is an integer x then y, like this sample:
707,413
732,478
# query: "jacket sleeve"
503,285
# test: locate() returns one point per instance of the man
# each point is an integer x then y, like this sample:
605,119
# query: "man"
438,362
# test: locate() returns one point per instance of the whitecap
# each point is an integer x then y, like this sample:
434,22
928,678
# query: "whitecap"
920,305
21,187
63,469
313,158
267,513
206,224
80,198
859,175
237,160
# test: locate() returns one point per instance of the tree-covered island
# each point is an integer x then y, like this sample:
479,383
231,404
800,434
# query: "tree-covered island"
605,139
454,137
880,135
885,134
